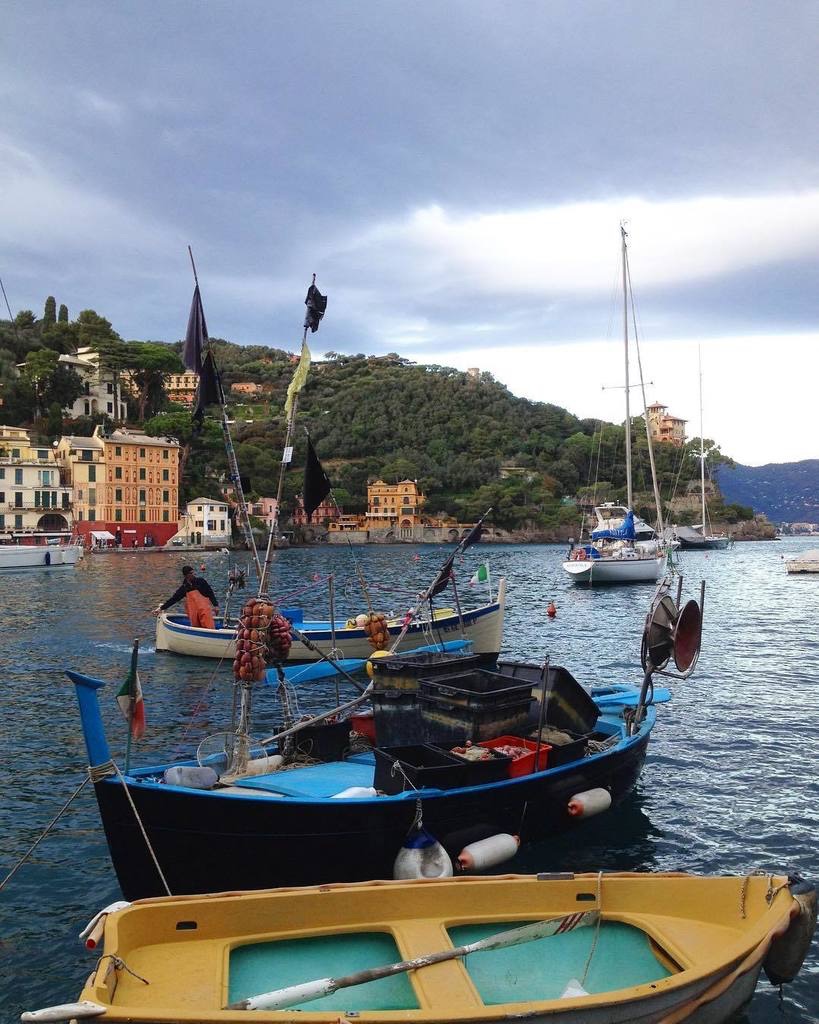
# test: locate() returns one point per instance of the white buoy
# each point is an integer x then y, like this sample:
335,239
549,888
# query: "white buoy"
489,852
422,856
589,802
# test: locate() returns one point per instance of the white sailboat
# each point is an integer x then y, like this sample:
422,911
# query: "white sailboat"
698,537
623,548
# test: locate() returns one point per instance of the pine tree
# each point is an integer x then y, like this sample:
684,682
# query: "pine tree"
50,312
62,316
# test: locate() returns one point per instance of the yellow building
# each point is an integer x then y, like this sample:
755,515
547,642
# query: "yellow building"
398,504
664,427
127,483
33,496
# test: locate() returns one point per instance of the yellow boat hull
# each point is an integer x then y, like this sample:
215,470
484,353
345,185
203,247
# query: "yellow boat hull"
708,937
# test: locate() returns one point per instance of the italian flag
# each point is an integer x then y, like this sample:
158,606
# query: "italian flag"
481,575
130,699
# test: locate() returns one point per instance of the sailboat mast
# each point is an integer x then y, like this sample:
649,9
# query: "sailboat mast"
629,491
702,445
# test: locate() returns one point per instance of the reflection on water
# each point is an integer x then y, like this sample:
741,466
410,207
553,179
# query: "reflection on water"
730,783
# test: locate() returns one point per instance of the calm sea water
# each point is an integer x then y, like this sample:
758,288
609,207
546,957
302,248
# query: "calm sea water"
731,783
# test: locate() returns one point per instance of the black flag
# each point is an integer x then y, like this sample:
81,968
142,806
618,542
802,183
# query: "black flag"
316,305
442,579
196,337
316,484
209,391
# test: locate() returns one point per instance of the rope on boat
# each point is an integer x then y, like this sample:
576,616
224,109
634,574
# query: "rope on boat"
115,766
45,832
770,894
120,965
596,928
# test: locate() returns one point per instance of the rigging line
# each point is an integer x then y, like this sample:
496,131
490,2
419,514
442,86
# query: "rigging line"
657,498
197,707
45,832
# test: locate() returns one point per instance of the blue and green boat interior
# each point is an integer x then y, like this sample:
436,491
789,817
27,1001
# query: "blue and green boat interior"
621,956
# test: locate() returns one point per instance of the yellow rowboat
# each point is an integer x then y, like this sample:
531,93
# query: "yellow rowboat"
565,949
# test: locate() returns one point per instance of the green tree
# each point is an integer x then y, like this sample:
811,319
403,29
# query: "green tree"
50,312
149,364
25,318
62,316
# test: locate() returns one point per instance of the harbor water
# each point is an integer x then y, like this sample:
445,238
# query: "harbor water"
730,785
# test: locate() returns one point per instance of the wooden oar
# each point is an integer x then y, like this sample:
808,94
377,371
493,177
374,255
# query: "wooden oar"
282,998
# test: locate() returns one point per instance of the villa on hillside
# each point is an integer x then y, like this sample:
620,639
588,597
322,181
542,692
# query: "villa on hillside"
665,427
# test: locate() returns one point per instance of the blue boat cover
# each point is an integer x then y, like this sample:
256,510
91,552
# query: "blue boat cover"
624,532
314,782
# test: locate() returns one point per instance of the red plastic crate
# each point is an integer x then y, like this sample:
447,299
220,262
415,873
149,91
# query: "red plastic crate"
525,764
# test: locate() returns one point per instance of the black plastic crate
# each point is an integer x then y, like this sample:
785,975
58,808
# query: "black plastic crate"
421,766
564,753
327,741
447,723
491,769
403,671
397,718
476,689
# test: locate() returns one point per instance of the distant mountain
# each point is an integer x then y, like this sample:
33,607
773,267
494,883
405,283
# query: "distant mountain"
787,492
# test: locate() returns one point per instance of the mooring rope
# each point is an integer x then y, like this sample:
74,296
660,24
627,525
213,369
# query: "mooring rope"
115,766
45,832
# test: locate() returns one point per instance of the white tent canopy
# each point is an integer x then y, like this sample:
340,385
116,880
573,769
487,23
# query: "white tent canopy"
102,535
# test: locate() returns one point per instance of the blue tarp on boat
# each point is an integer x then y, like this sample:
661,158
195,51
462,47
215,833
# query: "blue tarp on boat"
624,532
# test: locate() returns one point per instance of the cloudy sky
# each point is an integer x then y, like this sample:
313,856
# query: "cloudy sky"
455,173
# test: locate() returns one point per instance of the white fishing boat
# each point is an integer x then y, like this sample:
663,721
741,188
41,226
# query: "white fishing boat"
804,563
482,625
623,548
39,556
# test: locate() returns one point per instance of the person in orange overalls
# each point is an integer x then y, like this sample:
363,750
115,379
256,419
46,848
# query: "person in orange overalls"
200,601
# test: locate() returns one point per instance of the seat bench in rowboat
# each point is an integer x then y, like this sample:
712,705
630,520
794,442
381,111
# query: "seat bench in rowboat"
587,948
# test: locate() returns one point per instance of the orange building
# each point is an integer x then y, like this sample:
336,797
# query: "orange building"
125,482
665,427
398,504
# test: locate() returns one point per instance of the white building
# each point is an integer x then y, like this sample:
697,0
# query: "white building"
33,497
99,386
204,523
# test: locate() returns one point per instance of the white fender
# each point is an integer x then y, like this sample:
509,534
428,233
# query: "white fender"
422,856
589,802
487,853
65,1011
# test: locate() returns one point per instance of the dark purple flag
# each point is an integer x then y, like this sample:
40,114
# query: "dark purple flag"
196,337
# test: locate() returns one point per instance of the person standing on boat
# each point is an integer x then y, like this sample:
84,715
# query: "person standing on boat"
199,598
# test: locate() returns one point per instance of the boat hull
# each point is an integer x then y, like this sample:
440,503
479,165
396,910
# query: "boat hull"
482,626
616,570
670,947
206,841
38,556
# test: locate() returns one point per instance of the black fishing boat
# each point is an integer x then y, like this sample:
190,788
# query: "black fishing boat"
191,827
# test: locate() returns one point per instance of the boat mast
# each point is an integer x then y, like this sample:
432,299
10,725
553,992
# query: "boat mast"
702,445
233,465
629,493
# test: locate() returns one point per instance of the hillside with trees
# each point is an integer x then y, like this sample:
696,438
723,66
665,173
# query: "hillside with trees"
468,441
786,492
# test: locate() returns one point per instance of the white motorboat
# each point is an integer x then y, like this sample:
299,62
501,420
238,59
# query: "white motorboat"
39,556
